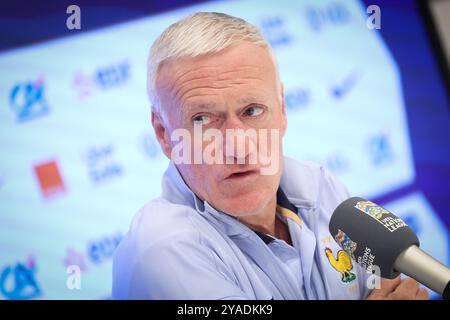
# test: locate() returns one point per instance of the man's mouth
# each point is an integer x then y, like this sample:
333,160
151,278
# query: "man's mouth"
242,174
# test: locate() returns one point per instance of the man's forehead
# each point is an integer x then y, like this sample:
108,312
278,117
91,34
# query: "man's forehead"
180,72
242,58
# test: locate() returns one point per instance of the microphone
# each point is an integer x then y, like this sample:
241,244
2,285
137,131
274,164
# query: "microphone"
374,236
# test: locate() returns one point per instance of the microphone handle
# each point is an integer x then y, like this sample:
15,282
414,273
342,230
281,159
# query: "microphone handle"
425,269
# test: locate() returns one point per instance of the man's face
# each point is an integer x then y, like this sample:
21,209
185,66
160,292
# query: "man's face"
234,89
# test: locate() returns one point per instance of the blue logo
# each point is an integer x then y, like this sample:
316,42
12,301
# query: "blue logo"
98,251
112,76
102,250
342,89
275,32
337,163
28,101
18,282
334,14
103,78
380,149
297,99
101,164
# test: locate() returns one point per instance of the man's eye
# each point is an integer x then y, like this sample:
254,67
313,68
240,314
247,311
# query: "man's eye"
253,111
201,120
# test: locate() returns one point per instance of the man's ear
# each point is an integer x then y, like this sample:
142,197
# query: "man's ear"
283,110
161,133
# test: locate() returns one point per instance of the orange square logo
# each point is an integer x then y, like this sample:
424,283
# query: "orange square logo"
49,178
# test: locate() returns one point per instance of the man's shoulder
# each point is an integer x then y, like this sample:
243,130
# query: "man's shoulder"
159,225
160,219
160,231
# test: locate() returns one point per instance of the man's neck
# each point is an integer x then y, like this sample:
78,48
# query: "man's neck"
267,223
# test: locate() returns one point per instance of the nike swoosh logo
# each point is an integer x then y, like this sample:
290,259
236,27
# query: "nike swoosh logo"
342,89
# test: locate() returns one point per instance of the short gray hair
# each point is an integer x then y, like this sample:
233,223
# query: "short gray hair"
195,35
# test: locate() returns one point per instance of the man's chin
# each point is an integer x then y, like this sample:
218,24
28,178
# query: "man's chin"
245,204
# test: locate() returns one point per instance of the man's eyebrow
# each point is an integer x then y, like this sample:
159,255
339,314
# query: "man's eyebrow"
251,99
194,106
191,106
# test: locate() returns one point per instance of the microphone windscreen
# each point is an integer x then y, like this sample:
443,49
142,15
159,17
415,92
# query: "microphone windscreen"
371,235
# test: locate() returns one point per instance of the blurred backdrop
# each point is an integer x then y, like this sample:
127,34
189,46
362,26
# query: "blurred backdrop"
79,158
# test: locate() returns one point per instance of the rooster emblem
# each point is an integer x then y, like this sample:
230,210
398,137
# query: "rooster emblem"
342,264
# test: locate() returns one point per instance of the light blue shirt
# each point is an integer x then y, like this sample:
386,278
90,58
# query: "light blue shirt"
179,247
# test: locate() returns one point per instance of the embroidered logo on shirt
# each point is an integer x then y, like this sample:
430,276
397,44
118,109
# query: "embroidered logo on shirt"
343,264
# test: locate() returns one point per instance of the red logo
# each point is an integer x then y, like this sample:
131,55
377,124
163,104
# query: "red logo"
49,178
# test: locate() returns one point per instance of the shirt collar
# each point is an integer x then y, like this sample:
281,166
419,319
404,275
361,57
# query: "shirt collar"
176,190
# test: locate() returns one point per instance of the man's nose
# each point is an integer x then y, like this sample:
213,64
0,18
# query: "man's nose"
239,141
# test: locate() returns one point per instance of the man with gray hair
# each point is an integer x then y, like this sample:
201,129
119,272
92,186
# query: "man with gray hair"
236,219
